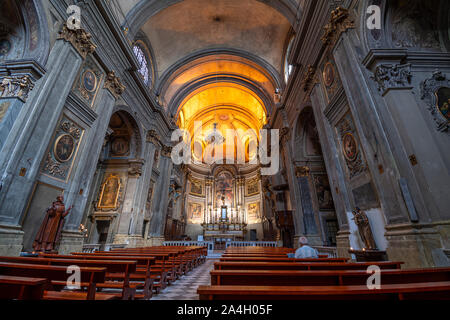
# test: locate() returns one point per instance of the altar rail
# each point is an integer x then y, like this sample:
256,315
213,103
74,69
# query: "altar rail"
330,251
208,244
251,244
89,248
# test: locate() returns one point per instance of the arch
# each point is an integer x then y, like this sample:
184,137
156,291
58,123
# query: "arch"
148,51
26,21
134,129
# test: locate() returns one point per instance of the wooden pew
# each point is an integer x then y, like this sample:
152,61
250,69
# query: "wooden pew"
22,288
303,265
324,277
280,259
124,267
433,290
57,275
157,272
141,278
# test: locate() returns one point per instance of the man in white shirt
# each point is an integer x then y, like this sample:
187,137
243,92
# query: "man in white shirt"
305,251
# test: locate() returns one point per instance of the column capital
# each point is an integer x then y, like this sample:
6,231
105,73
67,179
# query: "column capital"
79,38
166,151
302,171
340,21
392,76
113,84
135,169
152,137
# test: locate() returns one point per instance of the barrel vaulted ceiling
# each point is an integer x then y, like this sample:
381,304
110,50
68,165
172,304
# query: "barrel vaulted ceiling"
218,61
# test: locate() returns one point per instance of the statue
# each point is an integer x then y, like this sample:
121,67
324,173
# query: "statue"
50,230
365,232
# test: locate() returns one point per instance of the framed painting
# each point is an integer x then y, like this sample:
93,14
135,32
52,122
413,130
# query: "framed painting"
109,194
197,188
195,212
253,212
252,187
64,147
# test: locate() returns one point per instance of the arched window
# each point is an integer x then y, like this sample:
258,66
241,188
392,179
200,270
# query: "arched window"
288,67
143,63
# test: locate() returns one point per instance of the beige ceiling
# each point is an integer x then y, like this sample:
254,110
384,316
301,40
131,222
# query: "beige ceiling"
194,25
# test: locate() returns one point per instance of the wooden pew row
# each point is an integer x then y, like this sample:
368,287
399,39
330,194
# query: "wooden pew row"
409,291
141,278
324,277
57,275
22,288
158,271
304,265
281,259
126,268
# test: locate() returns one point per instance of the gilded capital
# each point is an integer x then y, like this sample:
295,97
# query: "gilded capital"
340,21
152,136
80,40
166,151
113,84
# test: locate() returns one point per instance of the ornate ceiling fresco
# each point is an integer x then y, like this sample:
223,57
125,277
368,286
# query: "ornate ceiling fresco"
218,62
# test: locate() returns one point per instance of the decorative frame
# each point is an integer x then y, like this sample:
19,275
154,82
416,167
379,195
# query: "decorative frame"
116,194
429,92
251,187
197,183
254,218
56,151
328,67
54,166
191,218
79,87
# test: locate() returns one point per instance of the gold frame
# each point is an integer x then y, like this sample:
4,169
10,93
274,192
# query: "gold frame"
247,184
197,181
437,103
96,80
56,143
328,64
356,145
111,176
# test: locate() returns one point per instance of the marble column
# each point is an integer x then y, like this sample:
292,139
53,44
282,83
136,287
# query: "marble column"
34,125
159,205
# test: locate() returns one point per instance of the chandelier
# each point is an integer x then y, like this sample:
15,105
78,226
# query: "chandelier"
215,137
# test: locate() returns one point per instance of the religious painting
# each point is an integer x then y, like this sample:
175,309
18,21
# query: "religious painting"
353,156
224,189
197,187
109,194
323,192
3,109
252,187
195,212
253,212
328,74
64,147
5,47
120,146
443,102
89,80
349,147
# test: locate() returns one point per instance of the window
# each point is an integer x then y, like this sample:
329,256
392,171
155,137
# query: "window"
143,63
288,67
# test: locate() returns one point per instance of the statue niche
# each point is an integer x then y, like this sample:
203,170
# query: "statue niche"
50,231
365,232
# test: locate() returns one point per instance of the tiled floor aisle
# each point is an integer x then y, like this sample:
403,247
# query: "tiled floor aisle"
185,288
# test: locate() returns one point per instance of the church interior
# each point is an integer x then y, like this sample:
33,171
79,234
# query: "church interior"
187,150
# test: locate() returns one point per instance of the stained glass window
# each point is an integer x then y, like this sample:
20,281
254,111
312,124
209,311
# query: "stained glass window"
143,64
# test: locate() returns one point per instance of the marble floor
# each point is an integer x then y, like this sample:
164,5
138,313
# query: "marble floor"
185,288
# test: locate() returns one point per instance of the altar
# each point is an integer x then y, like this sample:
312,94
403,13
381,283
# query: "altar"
224,224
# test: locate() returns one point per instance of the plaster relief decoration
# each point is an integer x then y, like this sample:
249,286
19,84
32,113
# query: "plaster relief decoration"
109,193
340,21
392,76
252,187
436,92
113,84
197,187
135,169
80,40
253,213
195,213
60,158
88,82
323,192
120,146
350,147
16,87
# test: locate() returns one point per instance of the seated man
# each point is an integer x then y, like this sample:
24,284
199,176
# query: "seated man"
305,251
